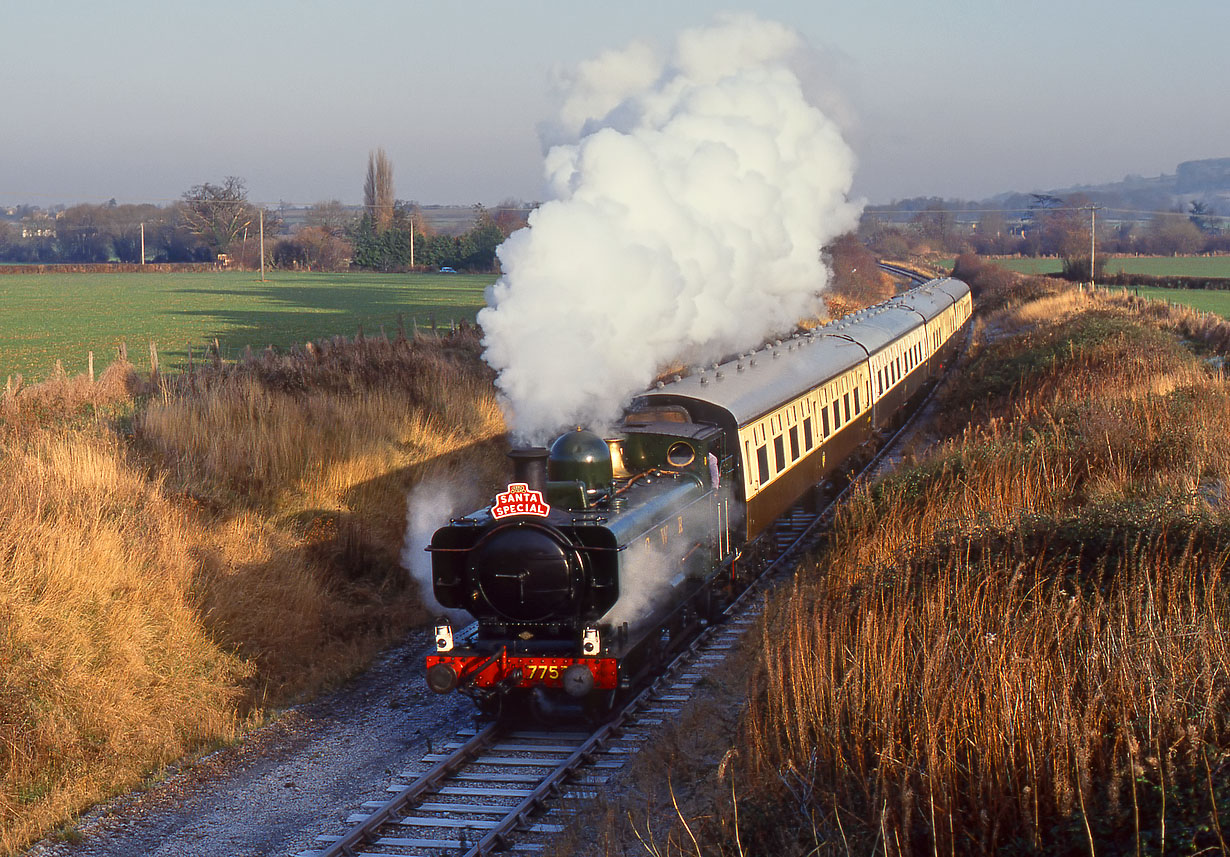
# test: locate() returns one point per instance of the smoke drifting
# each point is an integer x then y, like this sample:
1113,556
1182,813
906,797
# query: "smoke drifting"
429,506
692,197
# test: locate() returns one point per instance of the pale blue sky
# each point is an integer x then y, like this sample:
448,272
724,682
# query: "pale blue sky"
138,99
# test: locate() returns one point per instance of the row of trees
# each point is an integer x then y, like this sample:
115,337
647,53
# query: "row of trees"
213,221
409,242
210,219
101,233
1051,226
393,235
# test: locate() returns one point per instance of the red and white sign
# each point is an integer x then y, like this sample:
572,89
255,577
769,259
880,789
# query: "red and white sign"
519,499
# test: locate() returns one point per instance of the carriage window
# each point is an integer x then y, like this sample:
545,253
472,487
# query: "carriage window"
762,463
845,401
824,422
881,389
836,417
807,438
779,453
856,407
794,443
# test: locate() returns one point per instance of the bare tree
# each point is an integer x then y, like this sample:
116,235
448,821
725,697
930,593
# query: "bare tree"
511,215
331,216
218,214
1173,236
324,250
378,197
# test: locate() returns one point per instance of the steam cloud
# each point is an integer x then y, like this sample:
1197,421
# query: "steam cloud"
692,197
429,506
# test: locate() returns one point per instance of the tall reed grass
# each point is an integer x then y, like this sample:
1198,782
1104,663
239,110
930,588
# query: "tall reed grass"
1018,644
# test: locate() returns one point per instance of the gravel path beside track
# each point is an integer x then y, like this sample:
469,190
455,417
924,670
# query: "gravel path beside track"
266,795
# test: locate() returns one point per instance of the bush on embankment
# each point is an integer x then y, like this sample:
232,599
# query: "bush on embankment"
1020,643
181,553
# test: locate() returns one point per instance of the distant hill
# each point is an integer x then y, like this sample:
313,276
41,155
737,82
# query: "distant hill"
1206,181
1208,176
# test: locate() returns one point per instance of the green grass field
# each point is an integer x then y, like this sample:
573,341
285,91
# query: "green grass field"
1155,266
49,317
1207,300
1171,266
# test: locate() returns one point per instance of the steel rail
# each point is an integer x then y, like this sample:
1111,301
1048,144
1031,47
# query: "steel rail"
909,274
518,816
428,782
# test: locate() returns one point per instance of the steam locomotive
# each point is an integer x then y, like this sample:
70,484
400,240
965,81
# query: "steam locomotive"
605,555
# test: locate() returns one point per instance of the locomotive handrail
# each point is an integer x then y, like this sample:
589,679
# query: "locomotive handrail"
471,675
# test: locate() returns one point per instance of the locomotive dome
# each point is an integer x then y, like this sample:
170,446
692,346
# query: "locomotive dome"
581,456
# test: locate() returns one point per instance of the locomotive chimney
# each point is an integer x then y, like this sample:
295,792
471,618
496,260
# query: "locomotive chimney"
530,466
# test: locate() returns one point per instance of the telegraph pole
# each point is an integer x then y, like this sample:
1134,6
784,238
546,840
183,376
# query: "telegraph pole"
262,213
142,243
412,241
1093,220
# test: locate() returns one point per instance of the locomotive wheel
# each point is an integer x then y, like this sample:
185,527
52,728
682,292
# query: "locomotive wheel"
491,707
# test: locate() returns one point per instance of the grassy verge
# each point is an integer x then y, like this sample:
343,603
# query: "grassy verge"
1155,266
181,557
1018,644
46,318
1205,300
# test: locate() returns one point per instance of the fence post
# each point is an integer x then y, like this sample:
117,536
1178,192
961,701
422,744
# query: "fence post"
91,367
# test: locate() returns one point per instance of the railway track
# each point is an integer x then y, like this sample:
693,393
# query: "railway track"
496,788
910,274
490,789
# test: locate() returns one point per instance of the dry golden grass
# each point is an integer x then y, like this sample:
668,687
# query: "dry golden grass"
106,667
991,697
182,552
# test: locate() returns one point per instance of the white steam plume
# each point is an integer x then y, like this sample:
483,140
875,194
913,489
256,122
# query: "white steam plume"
692,199
429,506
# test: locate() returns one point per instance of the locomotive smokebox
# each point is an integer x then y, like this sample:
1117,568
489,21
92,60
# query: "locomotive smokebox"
530,466
582,456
